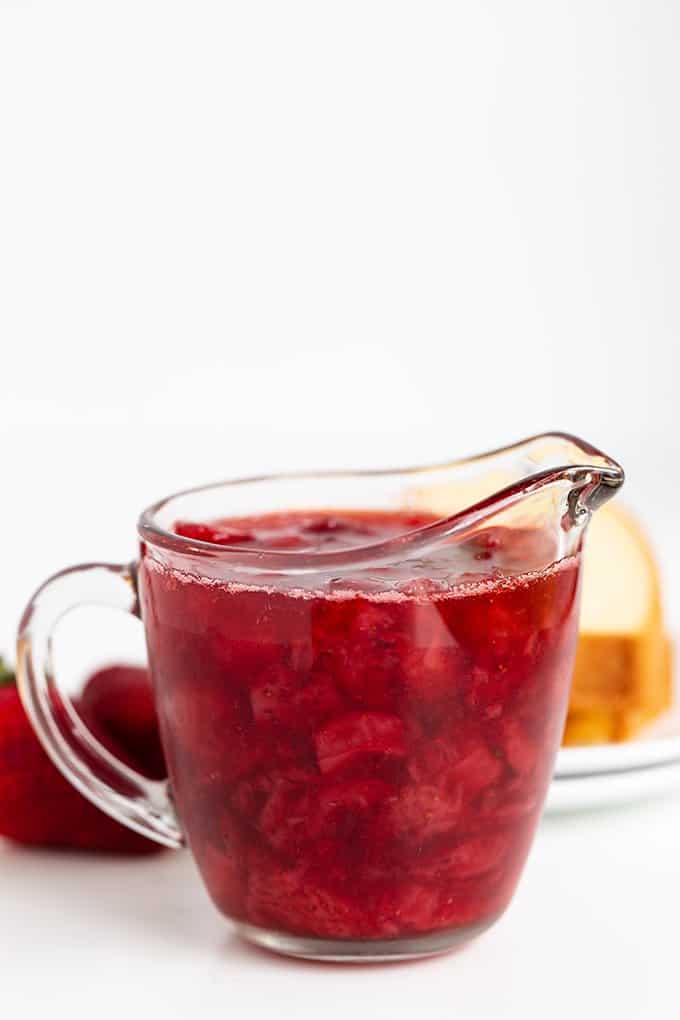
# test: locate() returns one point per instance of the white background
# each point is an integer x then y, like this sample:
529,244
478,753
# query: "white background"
256,235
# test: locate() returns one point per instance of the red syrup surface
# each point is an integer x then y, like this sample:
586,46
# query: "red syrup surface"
368,758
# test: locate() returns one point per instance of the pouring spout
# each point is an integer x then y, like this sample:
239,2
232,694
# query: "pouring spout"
591,490
553,474
593,476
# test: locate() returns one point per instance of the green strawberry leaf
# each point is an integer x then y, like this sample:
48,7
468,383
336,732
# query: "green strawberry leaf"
7,677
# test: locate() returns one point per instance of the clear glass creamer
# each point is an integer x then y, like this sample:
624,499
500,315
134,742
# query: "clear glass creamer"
361,681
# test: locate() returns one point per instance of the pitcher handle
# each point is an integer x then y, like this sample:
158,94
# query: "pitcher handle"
123,793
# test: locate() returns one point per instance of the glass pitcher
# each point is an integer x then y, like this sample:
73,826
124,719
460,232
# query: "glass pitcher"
359,736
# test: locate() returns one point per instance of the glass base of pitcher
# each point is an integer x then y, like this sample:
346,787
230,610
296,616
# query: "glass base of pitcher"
361,950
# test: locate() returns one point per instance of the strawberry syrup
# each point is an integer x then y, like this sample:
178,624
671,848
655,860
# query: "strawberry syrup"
367,758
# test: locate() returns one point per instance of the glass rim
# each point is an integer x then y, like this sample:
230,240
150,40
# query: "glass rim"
598,475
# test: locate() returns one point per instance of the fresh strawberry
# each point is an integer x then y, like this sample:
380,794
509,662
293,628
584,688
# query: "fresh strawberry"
117,705
37,805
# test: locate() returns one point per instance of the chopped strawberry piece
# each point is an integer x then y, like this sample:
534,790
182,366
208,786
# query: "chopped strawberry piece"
421,812
520,751
284,816
342,812
223,868
408,908
273,694
282,697
214,720
292,810
472,902
429,761
343,740
218,535
374,621
508,803
432,674
297,901
318,698
477,855
475,768
353,795
367,673
244,658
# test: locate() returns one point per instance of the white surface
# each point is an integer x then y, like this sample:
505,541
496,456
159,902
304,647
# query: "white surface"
591,933
238,237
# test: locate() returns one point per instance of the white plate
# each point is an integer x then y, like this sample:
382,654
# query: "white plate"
604,774
577,793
